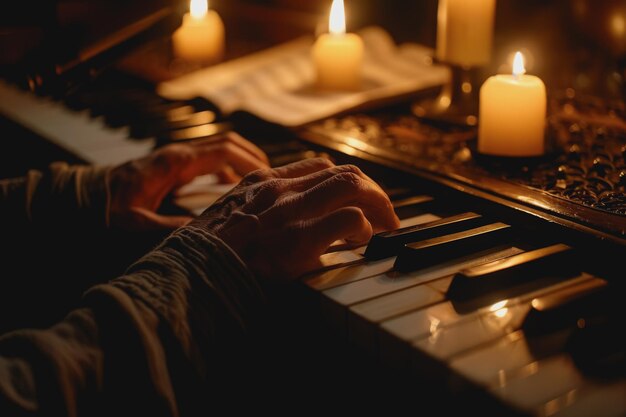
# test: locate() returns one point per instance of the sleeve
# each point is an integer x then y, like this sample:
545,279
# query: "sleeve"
152,342
61,195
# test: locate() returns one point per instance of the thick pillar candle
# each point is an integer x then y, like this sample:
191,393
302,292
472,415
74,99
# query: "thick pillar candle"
512,115
338,56
200,38
465,31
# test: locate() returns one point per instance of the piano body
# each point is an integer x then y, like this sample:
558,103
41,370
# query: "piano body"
502,291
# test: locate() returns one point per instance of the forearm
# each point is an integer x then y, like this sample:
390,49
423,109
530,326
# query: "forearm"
142,343
60,196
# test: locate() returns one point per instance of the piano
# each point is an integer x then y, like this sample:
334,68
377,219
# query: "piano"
502,291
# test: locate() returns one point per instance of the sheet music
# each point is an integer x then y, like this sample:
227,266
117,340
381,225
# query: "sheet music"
278,84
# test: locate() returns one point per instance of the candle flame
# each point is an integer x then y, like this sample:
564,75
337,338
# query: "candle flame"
518,64
337,20
198,8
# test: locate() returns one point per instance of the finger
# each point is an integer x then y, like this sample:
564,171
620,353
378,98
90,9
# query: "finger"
149,220
341,190
301,168
347,223
308,181
238,140
218,156
228,176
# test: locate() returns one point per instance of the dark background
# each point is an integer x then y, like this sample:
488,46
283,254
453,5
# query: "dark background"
569,43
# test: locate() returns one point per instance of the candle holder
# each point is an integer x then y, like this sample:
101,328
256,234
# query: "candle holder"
457,102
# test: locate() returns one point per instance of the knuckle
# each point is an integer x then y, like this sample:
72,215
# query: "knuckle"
270,189
350,168
353,216
351,179
257,176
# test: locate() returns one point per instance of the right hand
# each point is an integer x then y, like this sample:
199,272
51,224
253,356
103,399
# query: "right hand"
279,221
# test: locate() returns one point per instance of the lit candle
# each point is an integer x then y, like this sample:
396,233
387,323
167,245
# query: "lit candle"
465,31
512,115
200,38
338,56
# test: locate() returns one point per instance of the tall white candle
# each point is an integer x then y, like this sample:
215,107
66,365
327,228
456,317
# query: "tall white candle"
512,115
465,31
338,56
200,38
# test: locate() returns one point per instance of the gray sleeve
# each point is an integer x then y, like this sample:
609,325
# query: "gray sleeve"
146,343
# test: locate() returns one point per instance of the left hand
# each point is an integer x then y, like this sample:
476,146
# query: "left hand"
138,187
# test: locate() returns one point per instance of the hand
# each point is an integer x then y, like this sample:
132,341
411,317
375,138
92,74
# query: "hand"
279,221
138,187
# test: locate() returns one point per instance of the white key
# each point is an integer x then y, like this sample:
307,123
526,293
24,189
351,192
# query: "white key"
341,259
391,281
489,366
88,138
541,382
423,323
445,342
390,305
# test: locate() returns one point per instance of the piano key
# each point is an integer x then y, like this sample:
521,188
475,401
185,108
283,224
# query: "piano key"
558,311
597,345
421,323
556,260
385,283
77,132
362,317
498,364
600,400
413,206
540,382
403,339
170,120
195,132
351,273
445,342
397,303
396,299
490,365
385,244
433,251
350,257
410,201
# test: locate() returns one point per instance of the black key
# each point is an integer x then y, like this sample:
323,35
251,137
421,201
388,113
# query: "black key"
413,206
562,310
386,244
556,260
410,201
597,343
176,118
196,132
553,317
433,251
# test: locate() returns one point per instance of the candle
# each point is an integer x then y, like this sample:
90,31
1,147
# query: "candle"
200,38
338,56
512,114
465,31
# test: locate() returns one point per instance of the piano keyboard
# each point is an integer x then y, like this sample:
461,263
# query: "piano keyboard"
497,314
76,131
459,296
